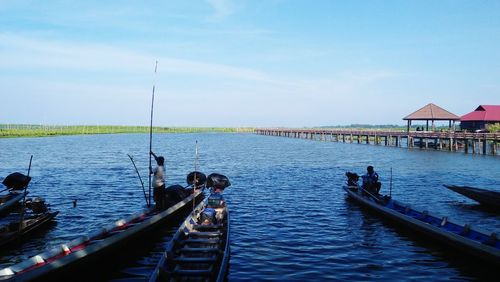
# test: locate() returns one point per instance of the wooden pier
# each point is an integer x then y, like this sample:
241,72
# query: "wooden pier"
475,143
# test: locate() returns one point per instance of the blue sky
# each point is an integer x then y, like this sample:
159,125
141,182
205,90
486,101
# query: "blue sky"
245,63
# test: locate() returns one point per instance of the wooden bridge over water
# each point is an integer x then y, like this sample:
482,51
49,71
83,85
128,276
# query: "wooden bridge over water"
475,143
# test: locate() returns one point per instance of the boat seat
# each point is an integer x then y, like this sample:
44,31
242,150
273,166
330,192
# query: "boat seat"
47,255
492,240
27,264
199,250
425,214
205,234
203,241
466,229
196,259
407,209
193,272
443,221
205,227
6,272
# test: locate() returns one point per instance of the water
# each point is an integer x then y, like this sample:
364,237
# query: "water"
290,219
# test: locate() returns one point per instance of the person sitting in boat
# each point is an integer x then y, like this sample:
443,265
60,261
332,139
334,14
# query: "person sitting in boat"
159,182
370,181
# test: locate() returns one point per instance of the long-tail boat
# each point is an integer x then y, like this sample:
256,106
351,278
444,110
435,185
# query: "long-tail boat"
463,237
84,252
485,197
14,228
199,250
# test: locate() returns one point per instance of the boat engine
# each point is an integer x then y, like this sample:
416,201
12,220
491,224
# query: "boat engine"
37,205
352,178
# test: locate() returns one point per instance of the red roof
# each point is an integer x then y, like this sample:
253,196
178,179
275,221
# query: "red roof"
431,112
483,113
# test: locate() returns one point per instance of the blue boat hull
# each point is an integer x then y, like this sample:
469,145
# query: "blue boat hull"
460,237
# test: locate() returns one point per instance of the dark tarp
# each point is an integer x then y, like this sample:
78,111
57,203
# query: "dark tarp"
16,181
176,193
200,177
218,180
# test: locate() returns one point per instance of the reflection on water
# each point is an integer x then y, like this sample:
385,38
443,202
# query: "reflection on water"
290,219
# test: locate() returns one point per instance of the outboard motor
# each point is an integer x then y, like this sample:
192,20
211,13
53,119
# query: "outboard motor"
352,178
38,205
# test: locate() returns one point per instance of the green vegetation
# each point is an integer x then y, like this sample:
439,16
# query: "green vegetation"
493,127
30,130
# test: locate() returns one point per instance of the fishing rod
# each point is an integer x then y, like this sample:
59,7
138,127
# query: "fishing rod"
151,137
390,186
195,169
140,179
24,198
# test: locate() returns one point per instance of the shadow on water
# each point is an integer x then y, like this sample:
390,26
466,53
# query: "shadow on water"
469,266
15,248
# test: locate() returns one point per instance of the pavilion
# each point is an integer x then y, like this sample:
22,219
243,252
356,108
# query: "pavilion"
431,112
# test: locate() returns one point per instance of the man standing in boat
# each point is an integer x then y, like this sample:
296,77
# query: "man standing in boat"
159,182
370,181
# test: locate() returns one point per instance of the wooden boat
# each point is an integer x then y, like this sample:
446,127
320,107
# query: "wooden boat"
15,230
9,201
87,251
485,197
199,250
462,237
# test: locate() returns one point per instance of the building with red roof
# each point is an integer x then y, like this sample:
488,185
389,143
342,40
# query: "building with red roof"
480,118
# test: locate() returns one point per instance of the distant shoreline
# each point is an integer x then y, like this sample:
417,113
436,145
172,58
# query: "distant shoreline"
33,130
29,130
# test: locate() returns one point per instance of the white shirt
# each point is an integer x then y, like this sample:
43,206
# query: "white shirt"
158,176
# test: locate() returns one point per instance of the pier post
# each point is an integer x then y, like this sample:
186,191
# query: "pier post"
484,146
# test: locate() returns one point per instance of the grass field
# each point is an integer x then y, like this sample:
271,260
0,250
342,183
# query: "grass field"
30,130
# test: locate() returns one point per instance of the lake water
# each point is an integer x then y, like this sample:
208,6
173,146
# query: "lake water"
290,219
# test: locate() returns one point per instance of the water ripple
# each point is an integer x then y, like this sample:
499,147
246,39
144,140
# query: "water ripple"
290,219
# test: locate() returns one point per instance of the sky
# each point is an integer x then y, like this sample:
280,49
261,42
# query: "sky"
255,63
